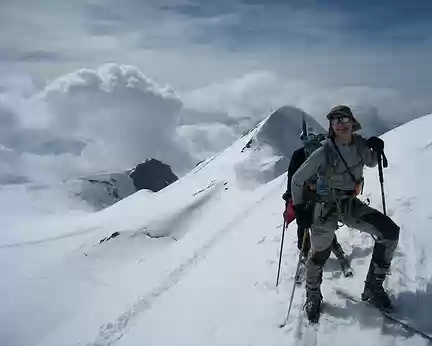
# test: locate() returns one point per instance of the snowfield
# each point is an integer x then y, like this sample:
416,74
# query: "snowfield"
196,263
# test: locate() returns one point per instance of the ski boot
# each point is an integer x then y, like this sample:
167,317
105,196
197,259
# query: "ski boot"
373,290
313,304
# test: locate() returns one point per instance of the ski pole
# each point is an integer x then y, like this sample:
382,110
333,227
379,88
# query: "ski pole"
280,254
381,178
305,236
285,224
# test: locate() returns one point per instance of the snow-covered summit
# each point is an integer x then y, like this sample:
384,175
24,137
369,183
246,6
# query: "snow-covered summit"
265,151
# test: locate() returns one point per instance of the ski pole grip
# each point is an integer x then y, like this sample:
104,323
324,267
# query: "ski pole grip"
380,169
384,158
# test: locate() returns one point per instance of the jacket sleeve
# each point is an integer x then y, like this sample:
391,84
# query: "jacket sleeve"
297,159
308,169
369,156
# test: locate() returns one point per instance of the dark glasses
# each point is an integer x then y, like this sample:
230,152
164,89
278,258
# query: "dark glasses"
342,119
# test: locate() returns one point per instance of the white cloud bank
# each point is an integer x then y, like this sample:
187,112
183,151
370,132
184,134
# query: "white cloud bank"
111,118
255,94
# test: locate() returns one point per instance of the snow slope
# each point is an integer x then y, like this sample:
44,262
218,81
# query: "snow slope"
195,264
44,203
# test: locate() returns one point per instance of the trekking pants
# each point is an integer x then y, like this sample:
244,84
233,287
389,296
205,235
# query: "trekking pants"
335,246
354,214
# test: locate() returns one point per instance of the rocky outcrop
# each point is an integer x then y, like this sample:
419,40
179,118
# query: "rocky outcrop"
103,190
152,175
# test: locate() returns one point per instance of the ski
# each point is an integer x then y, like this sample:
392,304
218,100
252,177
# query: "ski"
387,315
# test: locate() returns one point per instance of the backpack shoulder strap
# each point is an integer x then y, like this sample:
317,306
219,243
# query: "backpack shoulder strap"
329,162
344,162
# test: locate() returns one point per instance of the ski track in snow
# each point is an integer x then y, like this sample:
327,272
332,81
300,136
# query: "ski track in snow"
112,332
205,163
49,239
311,335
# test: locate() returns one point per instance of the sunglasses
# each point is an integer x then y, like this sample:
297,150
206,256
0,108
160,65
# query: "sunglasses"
342,119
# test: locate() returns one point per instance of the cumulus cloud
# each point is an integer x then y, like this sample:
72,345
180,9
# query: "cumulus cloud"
120,114
92,121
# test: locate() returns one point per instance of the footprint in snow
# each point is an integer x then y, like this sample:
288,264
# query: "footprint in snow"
276,239
428,146
262,240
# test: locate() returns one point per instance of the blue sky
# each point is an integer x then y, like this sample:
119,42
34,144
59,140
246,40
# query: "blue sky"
98,30
371,22
191,44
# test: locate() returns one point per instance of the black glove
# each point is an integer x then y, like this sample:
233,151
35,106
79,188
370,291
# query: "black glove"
376,144
303,217
286,197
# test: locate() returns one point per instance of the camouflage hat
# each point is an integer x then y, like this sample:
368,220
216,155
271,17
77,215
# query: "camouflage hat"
342,110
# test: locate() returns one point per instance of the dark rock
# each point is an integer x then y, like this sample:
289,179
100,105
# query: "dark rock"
248,145
115,234
152,175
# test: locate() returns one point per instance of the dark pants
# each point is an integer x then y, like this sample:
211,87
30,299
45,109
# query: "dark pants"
354,214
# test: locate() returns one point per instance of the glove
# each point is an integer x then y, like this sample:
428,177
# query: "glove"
286,197
303,217
289,213
376,144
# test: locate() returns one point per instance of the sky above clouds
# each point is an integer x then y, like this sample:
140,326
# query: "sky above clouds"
381,43
228,63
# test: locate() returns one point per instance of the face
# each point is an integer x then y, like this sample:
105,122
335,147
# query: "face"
342,125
